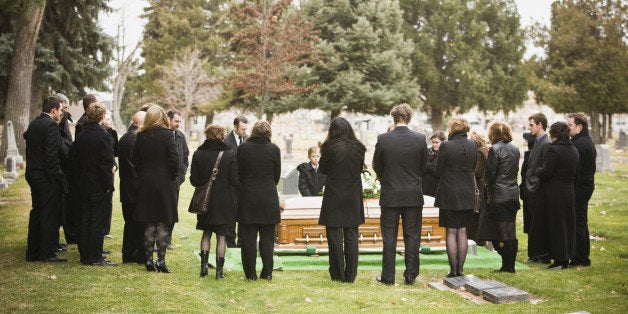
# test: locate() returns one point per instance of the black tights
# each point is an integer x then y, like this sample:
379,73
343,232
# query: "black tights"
456,249
156,234
506,230
221,244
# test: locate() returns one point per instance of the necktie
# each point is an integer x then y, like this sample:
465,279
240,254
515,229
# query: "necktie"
240,141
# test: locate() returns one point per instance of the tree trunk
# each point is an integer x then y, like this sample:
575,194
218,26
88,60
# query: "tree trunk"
603,125
334,114
437,119
269,118
188,125
596,128
18,101
209,118
610,126
36,97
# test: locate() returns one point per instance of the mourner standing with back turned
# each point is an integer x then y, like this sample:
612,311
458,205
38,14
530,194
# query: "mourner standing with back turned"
400,161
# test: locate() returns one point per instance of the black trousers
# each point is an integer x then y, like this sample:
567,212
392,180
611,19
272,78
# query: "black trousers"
43,223
72,213
583,244
248,237
94,215
133,236
411,224
343,253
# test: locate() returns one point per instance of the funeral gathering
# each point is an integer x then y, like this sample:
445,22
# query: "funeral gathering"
313,156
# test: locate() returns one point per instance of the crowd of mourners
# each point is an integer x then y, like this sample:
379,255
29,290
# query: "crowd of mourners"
473,179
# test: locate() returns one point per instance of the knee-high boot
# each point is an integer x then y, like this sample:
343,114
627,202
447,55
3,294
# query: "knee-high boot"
514,247
220,262
204,258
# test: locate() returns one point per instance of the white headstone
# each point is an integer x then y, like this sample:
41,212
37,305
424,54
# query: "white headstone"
11,167
12,145
603,160
3,183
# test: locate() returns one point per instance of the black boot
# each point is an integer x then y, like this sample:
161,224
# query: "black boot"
161,267
204,258
514,247
220,262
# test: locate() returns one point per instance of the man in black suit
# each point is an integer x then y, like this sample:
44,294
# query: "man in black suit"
175,117
92,155
236,137
87,100
537,125
66,217
400,161
583,185
133,236
46,180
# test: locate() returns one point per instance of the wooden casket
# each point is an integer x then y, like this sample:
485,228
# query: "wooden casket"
299,230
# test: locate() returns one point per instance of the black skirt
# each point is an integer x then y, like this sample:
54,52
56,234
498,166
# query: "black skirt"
220,230
505,211
455,218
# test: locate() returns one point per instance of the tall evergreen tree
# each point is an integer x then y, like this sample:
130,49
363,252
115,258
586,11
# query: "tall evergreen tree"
467,53
586,68
365,65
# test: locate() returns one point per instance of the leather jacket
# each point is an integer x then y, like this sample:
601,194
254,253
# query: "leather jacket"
502,167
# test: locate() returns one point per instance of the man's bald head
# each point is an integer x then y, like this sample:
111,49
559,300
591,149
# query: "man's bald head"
138,118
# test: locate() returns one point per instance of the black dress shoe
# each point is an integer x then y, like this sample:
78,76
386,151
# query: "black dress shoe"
106,252
32,259
62,247
251,278
266,277
451,275
409,281
380,280
459,274
104,263
55,259
576,264
558,266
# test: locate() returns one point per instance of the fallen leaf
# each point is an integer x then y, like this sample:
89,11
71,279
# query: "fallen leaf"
393,303
404,299
52,277
308,300
232,301
602,249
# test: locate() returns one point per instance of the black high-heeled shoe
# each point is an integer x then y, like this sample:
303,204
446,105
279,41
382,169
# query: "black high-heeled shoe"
162,268
150,265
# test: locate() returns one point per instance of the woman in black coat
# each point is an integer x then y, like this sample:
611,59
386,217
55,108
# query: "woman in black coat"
259,170
342,211
430,180
221,207
502,168
311,180
157,161
557,221
455,196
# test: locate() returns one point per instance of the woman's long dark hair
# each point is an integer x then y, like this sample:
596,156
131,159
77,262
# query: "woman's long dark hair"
340,131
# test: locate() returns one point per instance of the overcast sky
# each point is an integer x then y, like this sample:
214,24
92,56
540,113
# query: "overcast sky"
531,11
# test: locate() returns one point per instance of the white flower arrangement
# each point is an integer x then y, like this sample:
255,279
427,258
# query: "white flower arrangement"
370,186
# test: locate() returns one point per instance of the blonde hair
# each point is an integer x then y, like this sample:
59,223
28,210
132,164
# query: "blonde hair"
312,150
401,113
155,117
215,132
262,129
479,138
458,124
95,112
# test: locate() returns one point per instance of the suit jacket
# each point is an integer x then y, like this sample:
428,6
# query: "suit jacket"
66,142
184,153
92,156
342,206
221,203
259,171
42,151
79,125
129,184
230,140
311,182
456,161
535,161
585,174
400,160
156,160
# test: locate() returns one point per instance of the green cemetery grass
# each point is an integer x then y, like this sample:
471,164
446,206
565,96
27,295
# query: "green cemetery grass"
72,287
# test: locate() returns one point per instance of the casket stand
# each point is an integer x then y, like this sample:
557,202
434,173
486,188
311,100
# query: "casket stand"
299,231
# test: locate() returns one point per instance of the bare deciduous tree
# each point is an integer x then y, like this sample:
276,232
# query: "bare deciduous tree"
188,85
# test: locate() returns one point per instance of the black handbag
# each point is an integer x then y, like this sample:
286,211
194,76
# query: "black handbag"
200,199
